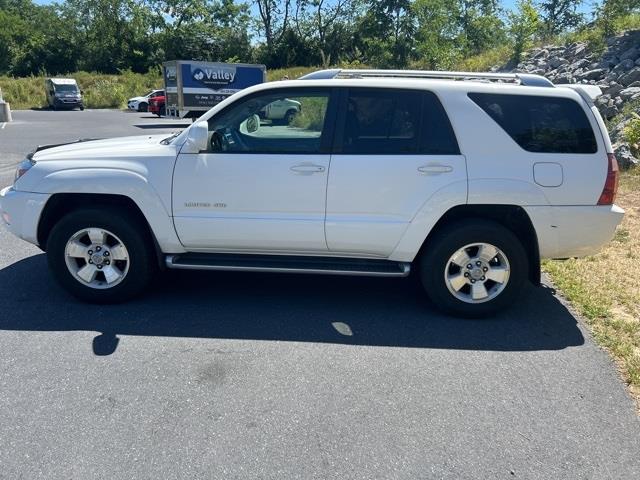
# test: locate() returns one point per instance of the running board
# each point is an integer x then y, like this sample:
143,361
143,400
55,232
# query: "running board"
288,264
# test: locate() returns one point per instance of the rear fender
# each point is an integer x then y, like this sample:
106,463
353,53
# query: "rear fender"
423,222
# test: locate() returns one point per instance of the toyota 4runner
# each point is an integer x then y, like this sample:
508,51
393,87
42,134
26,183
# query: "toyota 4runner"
470,179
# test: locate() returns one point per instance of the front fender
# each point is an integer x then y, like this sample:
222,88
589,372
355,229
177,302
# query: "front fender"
96,181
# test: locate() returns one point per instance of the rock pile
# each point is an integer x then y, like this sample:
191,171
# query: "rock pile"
616,71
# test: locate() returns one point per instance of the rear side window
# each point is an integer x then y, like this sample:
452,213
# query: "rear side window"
540,124
382,122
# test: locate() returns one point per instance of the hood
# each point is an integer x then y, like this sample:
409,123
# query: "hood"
88,149
136,99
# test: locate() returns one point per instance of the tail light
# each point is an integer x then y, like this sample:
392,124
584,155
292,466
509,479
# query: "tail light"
608,195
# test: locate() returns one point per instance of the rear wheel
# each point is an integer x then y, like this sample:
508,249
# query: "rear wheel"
473,268
101,255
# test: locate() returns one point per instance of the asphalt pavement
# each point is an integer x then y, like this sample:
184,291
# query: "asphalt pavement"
228,375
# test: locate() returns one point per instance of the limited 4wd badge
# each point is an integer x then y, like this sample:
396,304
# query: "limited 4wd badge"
214,77
204,205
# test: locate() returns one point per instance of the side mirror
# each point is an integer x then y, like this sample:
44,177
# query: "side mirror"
196,138
250,125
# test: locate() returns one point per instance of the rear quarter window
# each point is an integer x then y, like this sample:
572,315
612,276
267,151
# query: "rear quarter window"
540,124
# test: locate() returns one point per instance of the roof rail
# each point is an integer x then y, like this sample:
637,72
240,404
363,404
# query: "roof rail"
525,79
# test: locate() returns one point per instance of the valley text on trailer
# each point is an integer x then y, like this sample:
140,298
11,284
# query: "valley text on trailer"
194,87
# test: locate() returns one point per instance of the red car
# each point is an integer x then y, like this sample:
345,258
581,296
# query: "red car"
156,105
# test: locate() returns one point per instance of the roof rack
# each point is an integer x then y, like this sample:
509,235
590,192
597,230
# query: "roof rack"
525,79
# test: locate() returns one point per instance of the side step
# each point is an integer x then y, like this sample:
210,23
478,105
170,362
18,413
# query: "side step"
288,264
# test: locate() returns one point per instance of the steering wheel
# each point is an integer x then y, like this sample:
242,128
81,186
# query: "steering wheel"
218,142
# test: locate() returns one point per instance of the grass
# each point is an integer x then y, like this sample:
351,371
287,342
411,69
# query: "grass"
605,288
485,60
100,90
103,91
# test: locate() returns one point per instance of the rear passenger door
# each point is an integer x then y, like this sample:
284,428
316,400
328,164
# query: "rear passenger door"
394,149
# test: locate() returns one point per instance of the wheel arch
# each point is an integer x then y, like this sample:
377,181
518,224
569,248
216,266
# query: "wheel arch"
512,217
61,204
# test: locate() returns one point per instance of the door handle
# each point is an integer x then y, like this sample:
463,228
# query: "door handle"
435,169
307,169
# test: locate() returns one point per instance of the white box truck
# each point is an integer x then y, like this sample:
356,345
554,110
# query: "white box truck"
193,87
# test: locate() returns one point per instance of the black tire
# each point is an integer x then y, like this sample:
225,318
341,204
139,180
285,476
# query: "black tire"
434,262
143,107
81,108
289,116
162,111
127,228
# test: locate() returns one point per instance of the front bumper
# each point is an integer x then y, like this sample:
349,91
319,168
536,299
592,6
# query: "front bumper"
68,102
20,212
132,105
574,231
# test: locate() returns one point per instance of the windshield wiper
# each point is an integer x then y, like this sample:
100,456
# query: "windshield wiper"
167,140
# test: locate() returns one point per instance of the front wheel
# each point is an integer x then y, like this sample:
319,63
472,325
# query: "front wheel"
101,255
473,268
143,107
290,117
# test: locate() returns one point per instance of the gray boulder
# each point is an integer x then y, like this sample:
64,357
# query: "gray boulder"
629,77
631,54
595,74
624,66
624,156
613,89
555,62
609,111
583,62
565,77
630,93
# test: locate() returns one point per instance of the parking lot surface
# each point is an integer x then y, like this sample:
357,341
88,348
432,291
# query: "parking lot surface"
224,375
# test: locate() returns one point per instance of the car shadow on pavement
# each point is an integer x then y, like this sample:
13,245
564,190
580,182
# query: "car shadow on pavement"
225,305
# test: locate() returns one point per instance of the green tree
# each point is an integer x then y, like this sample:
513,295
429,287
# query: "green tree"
438,31
559,15
480,25
386,32
524,26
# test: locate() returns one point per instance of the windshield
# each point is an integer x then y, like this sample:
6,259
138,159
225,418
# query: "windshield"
66,88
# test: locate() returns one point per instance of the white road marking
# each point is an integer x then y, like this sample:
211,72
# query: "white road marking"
4,124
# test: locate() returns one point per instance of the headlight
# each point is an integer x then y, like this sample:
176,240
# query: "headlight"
23,167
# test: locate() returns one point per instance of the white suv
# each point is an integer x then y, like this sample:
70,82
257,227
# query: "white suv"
470,179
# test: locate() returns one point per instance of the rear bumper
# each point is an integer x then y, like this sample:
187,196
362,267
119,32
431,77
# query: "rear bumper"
565,232
21,212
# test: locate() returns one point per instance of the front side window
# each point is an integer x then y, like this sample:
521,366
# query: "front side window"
540,124
275,122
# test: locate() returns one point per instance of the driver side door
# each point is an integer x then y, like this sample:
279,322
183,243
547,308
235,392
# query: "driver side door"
261,186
